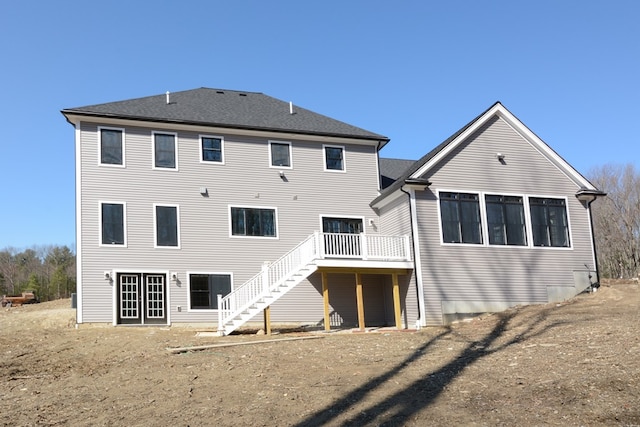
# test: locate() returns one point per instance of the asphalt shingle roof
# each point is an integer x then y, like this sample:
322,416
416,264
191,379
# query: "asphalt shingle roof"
392,169
227,108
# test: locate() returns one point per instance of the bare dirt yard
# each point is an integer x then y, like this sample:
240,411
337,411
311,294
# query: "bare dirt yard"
571,364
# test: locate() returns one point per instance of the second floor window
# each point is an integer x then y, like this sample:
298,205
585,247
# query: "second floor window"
111,147
460,215
211,147
167,233
256,222
164,151
112,218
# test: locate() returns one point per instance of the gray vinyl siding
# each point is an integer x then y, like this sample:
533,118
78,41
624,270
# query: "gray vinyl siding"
497,274
245,179
395,220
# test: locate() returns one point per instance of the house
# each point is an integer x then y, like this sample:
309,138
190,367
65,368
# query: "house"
217,207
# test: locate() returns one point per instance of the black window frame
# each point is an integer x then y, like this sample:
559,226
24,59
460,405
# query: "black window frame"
510,229
549,233
455,229
216,152
167,235
106,143
333,162
112,224
158,151
273,158
205,297
253,222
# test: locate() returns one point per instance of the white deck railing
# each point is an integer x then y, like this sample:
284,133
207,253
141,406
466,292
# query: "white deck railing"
316,246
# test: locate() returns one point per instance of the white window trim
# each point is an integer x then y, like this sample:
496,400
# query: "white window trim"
204,310
324,158
153,149
530,225
114,293
124,224
485,224
361,218
276,237
483,219
155,225
124,157
271,165
209,162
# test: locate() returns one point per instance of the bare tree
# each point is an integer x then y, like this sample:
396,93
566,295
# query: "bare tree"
616,220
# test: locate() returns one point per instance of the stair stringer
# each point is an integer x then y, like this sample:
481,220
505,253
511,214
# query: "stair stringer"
265,300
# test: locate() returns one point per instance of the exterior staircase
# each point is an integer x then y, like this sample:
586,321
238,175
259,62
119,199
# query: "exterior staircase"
279,277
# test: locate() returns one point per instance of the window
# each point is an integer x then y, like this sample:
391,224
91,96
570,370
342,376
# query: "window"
257,222
164,151
112,219
505,220
460,215
549,223
211,149
111,146
333,158
280,154
166,224
342,225
205,288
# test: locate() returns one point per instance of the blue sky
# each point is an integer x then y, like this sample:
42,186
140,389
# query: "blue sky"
415,71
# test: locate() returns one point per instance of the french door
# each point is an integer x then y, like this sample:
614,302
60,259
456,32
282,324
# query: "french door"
142,298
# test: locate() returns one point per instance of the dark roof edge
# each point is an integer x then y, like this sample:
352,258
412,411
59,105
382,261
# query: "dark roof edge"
209,124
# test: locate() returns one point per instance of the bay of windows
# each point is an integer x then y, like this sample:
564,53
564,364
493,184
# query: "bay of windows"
462,219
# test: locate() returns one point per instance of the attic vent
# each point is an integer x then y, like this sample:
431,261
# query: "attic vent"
219,91
242,94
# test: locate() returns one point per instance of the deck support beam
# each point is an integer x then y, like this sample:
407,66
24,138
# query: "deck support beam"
397,312
325,298
360,301
267,320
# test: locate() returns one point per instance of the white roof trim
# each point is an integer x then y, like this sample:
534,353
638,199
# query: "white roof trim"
499,110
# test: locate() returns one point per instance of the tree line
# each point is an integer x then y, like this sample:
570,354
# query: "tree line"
50,271
616,220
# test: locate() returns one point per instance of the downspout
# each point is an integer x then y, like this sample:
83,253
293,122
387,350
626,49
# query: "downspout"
589,196
593,243
417,267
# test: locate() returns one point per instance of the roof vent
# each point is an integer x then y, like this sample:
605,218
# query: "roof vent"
168,98
220,91
290,107
242,94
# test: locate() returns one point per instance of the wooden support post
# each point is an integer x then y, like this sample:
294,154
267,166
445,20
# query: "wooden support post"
360,301
267,320
325,298
396,301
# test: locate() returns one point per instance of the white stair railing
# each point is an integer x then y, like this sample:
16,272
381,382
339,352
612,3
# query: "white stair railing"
316,246
263,283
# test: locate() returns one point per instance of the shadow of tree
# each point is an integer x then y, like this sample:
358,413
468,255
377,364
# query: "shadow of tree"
398,408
